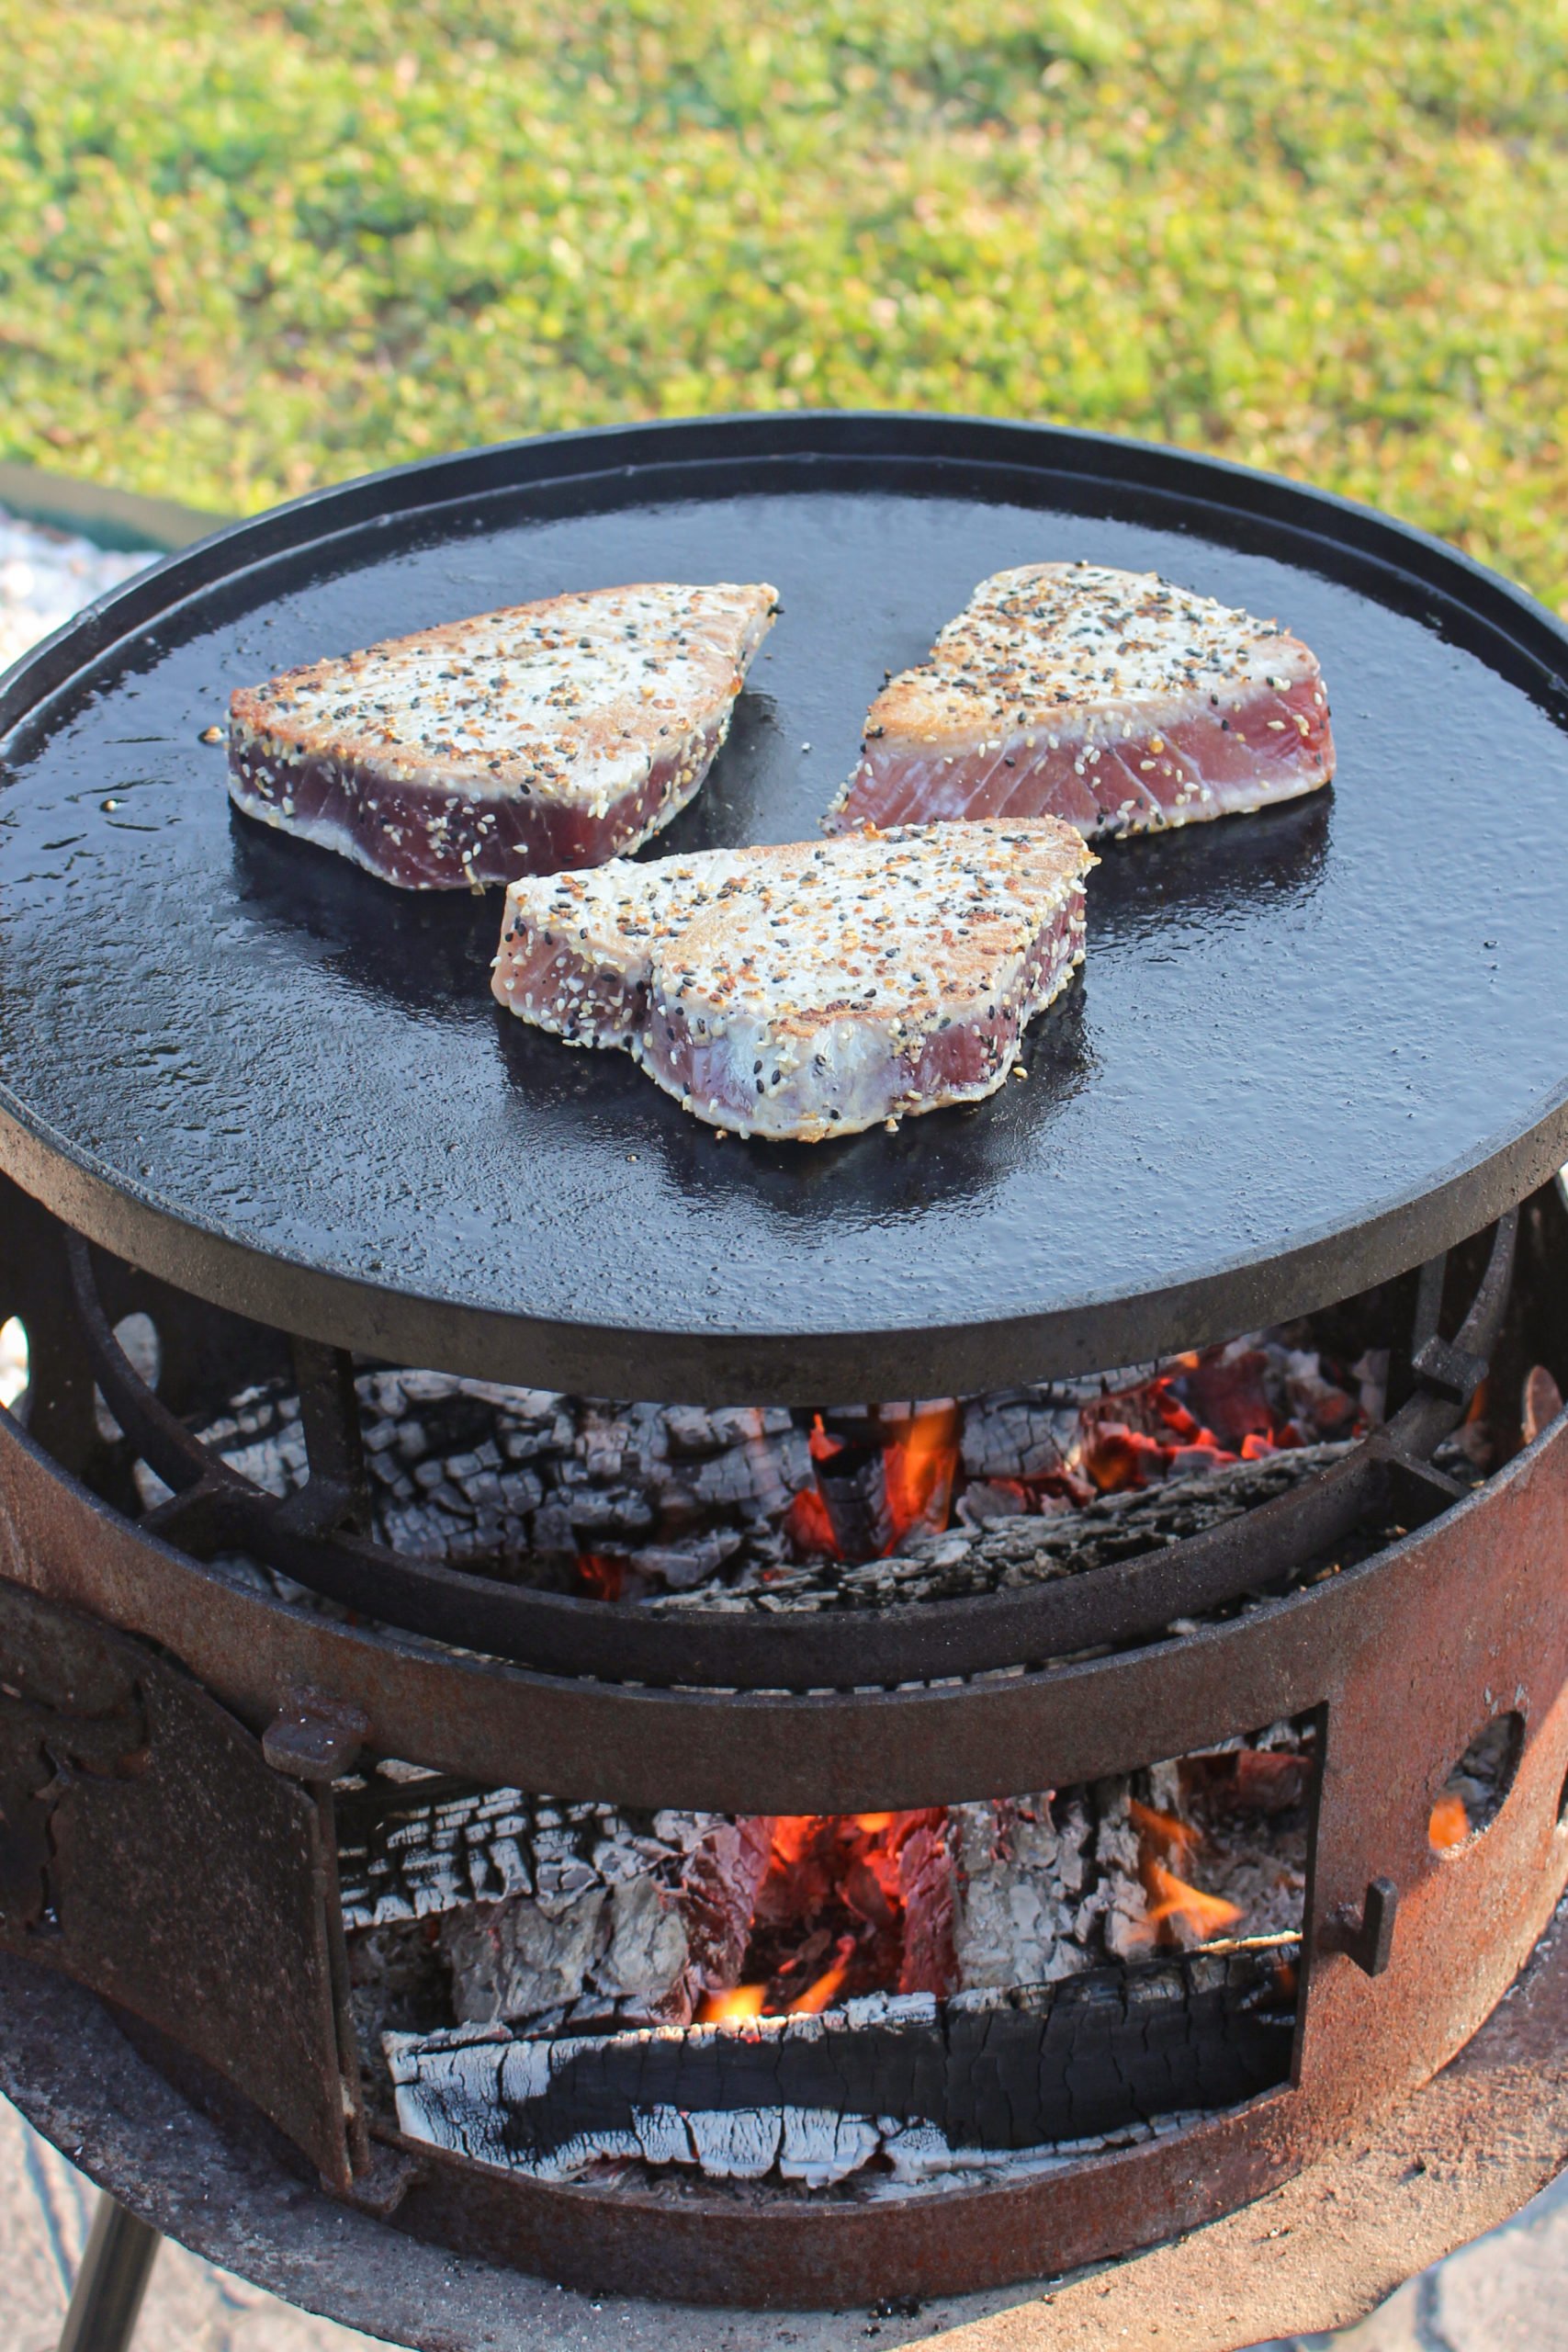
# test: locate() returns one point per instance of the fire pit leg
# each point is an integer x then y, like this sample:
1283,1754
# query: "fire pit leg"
111,2282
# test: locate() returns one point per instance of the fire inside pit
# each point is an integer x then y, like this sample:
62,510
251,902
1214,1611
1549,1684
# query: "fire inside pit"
532,1970
584,1993
680,1507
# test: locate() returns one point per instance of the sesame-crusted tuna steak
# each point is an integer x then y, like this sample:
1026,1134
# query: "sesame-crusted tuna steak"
547,735
813,989
1109,699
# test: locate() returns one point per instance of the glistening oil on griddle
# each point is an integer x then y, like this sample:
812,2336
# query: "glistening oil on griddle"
1290,1029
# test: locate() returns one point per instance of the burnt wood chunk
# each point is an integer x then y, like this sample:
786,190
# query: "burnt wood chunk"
993,2074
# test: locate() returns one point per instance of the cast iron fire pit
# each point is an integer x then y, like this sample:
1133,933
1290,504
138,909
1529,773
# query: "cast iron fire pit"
248,1092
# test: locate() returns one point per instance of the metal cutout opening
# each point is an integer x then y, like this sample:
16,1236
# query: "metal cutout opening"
1474,1795
13,1360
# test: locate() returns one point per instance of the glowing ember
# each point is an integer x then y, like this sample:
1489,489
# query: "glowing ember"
918,1465
1203,1413
1450,1824
920,1902
808,1526
601,1576
830,1916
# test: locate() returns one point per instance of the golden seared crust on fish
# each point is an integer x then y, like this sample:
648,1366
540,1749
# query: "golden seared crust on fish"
547,735
813,989
1110,699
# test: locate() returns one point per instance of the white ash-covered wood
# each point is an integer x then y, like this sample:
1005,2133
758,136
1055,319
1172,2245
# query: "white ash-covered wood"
1019,1433
1017,1550
523,1482
552,1913
977,2078
1026,1890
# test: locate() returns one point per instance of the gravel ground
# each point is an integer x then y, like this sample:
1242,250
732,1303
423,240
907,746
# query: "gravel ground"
1503,2294
45,576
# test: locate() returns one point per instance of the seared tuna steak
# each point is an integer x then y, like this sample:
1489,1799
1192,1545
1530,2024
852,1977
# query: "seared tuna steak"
809,990
1109,699
545,735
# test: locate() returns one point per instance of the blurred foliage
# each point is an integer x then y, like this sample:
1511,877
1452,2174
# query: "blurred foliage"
250,250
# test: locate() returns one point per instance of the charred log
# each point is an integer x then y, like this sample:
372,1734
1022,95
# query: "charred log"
986,2074
1021,1550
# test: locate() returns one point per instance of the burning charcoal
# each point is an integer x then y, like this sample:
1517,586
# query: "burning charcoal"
1265,1782
553,1530
608,1510
410,1851
820,2146
691,1430
988,1498
654,1506
678,1567
516,1959
543,1908
929,1961
647,1954
766,1471
1018,1434
1318,1406
752,1424
602,1443
1228,1393
718,1898
736,2143
276,1464
848,1454
1020,1551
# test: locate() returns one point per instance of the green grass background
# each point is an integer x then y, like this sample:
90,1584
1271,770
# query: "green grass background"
246,251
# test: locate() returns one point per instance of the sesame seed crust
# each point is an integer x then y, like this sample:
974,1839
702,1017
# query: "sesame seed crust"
545,735
1112,699
813,989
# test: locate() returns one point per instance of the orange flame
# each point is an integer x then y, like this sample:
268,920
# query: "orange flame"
793,1833
742,2001
920,1469
821,1994
1201,1914
1177,1834
1450,1824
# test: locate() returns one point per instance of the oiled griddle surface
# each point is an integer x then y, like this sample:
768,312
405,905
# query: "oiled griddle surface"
1308,1046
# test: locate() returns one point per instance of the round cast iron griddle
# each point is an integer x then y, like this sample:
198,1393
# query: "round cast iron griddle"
1309,1048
